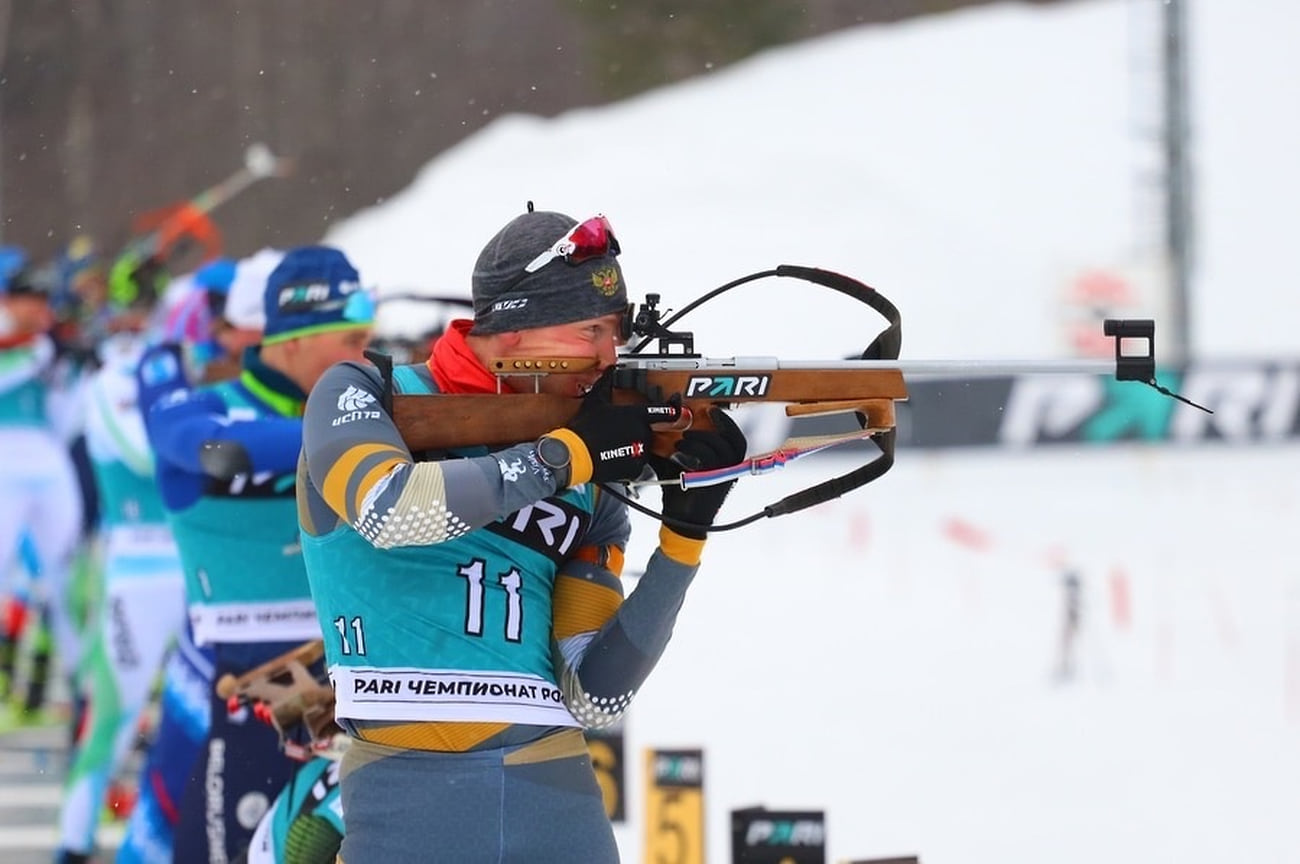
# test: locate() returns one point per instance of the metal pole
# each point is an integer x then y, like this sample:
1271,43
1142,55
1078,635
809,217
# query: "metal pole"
991,368
1178,180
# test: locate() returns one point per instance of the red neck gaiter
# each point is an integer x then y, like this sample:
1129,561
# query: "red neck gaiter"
454,367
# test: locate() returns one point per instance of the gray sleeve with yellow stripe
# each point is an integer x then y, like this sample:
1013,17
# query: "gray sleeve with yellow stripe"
360,471
606,645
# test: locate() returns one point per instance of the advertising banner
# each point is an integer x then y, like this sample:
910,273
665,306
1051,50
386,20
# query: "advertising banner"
1253,403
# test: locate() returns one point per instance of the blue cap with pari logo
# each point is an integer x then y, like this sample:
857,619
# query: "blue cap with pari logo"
314,289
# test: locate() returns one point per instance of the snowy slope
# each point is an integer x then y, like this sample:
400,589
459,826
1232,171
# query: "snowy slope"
892,656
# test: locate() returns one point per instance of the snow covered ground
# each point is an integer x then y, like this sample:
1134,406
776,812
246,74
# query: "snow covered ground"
890,657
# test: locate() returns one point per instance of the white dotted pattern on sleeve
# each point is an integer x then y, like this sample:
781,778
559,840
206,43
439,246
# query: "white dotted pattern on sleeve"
419,517
593,712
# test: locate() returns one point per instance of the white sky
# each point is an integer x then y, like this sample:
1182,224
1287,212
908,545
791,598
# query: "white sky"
855,657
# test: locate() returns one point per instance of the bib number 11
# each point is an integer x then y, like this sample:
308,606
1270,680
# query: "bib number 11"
357,643
475,599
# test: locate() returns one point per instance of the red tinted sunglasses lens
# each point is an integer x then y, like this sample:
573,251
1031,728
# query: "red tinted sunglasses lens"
591,239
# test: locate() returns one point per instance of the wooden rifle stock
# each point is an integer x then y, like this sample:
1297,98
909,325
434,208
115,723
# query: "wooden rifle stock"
283,692
305,654
445,421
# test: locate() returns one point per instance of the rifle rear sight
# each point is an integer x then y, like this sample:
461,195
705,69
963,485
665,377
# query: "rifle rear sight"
646,323
1133,335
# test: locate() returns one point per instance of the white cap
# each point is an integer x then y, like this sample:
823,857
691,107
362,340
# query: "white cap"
245,303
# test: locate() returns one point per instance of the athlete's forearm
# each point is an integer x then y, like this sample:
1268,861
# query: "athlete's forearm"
600,672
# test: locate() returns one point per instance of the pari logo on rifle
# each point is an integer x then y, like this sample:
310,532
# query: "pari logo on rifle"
727,385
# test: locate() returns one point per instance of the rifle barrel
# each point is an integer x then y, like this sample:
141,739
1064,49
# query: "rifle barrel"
1000,368
920,368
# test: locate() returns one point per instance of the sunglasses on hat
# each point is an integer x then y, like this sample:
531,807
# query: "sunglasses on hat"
592,238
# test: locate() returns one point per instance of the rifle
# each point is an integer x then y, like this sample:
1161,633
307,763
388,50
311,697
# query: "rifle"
283,693
864,390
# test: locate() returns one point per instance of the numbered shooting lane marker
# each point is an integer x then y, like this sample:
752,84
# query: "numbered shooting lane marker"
674,808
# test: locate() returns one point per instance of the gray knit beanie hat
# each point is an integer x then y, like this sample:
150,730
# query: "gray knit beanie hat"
507,298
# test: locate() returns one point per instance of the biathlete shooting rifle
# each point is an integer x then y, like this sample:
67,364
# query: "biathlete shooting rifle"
864,390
